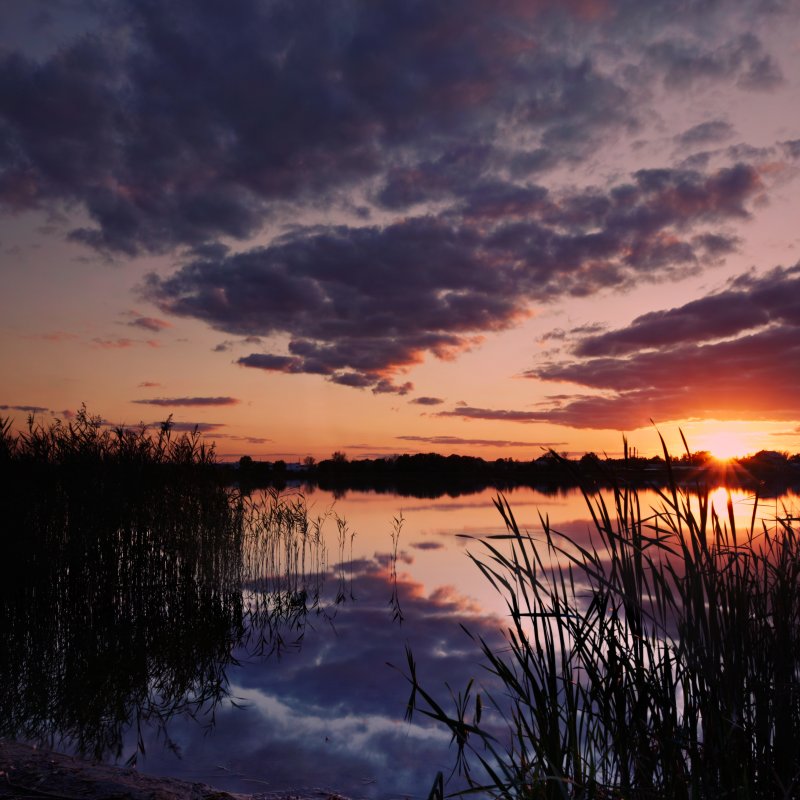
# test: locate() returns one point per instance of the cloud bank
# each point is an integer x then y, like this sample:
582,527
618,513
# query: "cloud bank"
720,356
360,305
448,150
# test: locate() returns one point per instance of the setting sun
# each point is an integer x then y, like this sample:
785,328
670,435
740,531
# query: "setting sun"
724,445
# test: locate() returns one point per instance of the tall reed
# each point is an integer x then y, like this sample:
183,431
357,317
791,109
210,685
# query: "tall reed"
86,440
132,579
285,563
660,659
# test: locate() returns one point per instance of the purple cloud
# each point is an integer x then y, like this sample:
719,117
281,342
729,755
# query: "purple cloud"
26,408
360,305
502,415
150,324
190,427
270,363
458,440
122,343
188,401
57,336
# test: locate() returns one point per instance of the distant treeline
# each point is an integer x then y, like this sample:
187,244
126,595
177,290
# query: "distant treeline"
432,474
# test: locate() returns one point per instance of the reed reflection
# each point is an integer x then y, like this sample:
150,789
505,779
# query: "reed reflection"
123,597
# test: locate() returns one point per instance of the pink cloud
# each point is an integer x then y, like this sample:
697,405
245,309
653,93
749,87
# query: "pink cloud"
56,336
122,343
150,324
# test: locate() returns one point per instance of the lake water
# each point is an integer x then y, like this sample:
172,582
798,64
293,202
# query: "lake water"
300,700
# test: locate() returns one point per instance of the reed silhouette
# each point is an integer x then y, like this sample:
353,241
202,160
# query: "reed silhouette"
661,660
130,575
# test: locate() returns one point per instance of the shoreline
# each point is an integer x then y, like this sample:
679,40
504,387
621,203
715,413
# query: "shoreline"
32,772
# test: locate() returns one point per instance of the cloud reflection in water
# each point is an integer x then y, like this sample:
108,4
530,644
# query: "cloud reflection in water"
331,713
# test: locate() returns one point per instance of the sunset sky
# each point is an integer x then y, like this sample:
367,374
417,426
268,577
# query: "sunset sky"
479,226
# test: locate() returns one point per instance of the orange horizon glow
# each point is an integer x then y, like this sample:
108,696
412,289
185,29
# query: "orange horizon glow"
726,445
244,432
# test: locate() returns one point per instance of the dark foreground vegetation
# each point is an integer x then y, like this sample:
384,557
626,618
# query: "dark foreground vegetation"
131,578
87,444
660,660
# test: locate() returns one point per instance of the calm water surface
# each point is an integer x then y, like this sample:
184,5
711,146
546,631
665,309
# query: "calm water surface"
285,700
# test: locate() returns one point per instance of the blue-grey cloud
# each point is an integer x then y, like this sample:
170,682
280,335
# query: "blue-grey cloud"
710,132
792,148
688,61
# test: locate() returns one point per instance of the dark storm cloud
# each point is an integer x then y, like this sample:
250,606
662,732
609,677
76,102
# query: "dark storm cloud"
359,305
728,355
188,401
271,363
182,123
